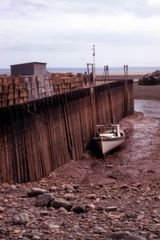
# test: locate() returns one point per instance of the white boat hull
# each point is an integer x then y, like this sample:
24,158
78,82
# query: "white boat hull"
109,137
106,145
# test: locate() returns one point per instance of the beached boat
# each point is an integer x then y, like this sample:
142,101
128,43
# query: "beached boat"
108,137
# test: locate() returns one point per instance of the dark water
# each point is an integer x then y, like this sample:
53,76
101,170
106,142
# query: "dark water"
150,108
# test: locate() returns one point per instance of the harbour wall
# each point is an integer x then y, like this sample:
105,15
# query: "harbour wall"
39,136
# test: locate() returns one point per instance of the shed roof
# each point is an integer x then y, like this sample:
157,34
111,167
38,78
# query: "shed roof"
28,63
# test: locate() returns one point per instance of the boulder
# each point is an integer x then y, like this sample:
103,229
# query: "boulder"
44,200
79,209
60,202
20,219
34,192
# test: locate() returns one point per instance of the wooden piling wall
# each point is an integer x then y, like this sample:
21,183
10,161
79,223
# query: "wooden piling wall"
37,137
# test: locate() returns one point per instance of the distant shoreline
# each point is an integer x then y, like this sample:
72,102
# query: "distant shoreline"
136,71
121,76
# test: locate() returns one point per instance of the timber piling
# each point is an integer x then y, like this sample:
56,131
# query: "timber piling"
38,136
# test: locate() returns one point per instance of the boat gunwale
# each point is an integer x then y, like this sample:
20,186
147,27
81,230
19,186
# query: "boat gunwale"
109,134
105,139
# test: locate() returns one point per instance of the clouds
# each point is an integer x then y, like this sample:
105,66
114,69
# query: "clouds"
23,8
142,8
20,8
32,29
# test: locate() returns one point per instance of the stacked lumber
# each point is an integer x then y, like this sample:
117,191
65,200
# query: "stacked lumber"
12,91
38,87
21,89
64,82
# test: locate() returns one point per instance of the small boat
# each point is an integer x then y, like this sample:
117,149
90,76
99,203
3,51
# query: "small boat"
108,137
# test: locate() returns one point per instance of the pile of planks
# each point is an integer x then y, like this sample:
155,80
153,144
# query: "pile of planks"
64,82
21,89
38,87
12,91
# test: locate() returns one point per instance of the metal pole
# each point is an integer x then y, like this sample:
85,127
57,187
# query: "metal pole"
126,88
125,67
94,66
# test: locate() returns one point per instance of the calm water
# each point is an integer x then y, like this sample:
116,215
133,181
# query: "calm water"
150,108
112,70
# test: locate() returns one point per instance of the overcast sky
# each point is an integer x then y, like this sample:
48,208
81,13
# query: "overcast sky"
62,32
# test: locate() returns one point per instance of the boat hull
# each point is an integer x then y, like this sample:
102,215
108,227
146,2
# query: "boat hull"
109,137
106,145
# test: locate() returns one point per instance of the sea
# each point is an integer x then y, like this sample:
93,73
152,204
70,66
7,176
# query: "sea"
99,70
150,108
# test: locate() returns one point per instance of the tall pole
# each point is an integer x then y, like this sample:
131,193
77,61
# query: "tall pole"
94,66
126,88
92,94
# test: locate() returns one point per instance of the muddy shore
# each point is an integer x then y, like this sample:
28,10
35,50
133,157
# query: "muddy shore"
118,197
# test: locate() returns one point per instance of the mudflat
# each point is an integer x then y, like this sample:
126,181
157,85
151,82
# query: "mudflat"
146,92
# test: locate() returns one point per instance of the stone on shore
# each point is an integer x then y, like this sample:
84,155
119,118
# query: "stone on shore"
34,192
44,200
60,202
20,219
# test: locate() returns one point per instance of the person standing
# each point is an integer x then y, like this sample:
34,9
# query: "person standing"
91,77
85,78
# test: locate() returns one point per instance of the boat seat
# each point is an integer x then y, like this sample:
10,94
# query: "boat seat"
109,135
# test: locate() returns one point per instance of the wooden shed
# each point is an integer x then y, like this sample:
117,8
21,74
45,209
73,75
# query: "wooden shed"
31,68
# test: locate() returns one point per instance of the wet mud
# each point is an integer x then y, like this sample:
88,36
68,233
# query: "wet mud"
136,160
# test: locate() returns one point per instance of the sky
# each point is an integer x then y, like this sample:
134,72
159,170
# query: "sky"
62,32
